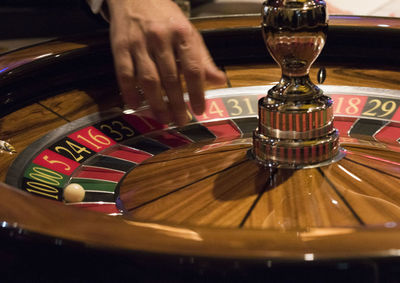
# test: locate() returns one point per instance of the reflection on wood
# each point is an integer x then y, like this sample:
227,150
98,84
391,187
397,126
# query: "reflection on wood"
300,199
22,128
221,200
220,188
374,196
202,148
195,190
26,55
154,180
270,74
255,20
373,151
79,103
96,230
226,22
383,165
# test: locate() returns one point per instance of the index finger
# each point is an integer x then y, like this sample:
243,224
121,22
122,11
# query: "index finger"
191,63
125,72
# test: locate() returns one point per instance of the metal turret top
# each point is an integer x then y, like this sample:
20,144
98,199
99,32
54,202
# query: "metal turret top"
294,15
295,127
295,4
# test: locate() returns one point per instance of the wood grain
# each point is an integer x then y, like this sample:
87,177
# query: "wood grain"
374,151
23,127
195,190
374,196
202,148
78,103
220,200
173,174
283,217
248,75
55,48
231,22
95,230
300,200
24,56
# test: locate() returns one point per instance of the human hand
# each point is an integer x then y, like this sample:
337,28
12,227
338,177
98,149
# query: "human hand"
148,38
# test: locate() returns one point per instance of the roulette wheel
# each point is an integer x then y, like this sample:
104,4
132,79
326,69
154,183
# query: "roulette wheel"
214,199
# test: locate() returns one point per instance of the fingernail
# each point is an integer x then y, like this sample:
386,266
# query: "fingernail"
182,120
222,75
199,109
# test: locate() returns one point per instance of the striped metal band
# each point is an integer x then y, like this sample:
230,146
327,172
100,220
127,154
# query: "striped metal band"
295,153
295,135
299,122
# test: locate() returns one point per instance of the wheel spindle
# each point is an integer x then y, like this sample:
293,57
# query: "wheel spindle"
295,127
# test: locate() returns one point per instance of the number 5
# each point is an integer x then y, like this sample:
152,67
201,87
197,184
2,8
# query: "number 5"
67,167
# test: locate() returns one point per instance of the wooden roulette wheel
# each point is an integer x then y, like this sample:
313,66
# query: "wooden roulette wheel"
189,202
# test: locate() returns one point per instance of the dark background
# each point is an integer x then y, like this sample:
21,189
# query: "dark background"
46,18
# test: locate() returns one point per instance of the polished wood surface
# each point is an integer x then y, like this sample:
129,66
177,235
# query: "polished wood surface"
336,75
23,127
78,103
228,190
372,194
294,213
212,180
300,200
254,20
110,232
25,56
56,48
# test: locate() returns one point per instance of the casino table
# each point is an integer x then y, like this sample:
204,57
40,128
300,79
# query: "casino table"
167,203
